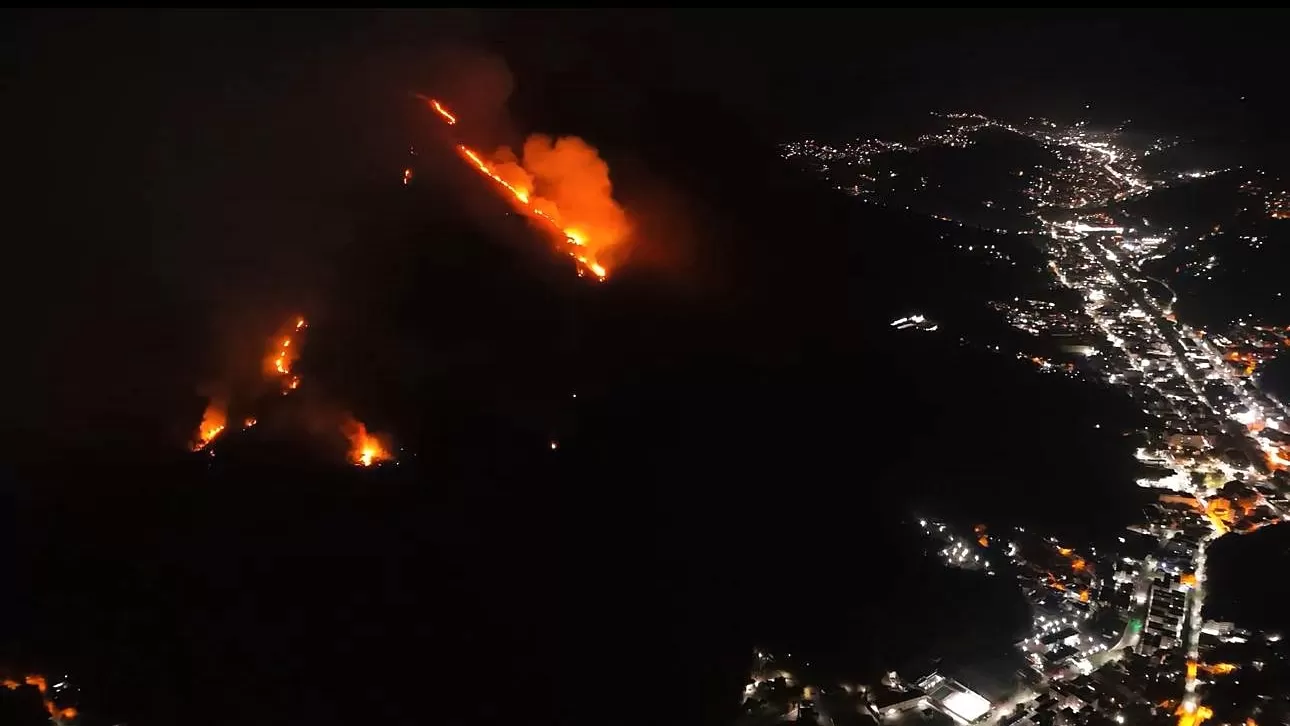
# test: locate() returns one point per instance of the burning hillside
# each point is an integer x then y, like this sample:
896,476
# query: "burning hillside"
278,366
213,422
563,186
365,448
284,350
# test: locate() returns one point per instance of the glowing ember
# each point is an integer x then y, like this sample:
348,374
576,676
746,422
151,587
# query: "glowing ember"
407,176
577,207
212,425
249,422
439,109
365,449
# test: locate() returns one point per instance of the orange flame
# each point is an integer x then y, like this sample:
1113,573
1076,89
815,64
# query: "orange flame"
365,449
1193,717
580,212
526,204
56,714
283,353
212,425
439,109
1220,669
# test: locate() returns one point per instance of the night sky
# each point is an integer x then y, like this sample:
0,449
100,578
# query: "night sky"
178,183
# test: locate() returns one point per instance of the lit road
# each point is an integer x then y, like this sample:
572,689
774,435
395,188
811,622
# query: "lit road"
1175,372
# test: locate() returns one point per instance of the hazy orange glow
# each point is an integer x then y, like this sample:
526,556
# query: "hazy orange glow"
1188,578
56,714
439,109
1220,669
1083,595
1180,499
1221,508
1279,459
1194,717
982,538
365,449
1191,670
212,425
576,205
1217,521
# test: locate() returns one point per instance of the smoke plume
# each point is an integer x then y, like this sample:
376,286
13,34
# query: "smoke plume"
566,180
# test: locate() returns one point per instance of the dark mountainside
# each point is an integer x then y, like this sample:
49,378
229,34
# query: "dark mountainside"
487,579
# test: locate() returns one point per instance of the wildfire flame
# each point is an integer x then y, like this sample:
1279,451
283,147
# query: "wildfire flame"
56,714
582,216
213,422
439,109
283,352
365,449
1193,716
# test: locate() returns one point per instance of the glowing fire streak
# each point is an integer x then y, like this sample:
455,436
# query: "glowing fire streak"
365,449
523,199
521,196
439,109
56,714
407,176
213,422
282,355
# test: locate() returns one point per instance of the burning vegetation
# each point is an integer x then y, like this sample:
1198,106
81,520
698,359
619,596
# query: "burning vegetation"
365,448
213,422
563,186
284,351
